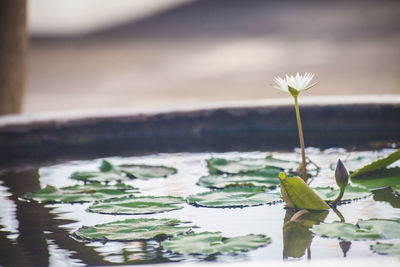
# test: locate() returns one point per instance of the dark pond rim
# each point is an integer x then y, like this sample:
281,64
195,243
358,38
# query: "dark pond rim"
352,122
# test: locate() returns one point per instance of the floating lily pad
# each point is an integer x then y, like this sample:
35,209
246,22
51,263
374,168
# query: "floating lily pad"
243,165
98,176
145,172
387,248
351,193
234,197
207,243
372,229
133,229
80,193
377,179
108,172
137,205
264,178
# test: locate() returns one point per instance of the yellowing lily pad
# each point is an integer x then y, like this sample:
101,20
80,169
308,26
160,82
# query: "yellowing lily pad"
207,243
243,165
372,229
80,193
298,195
137,205
351,193
234,198
264,178
133,229
387,248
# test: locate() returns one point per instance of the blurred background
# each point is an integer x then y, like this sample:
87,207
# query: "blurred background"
89,54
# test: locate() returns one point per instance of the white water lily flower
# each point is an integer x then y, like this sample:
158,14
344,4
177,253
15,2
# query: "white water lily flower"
294,84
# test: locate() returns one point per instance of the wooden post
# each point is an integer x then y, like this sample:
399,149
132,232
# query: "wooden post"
13,49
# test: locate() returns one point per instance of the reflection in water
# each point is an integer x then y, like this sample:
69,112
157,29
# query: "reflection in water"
388,195
60,257
135,252
8,219
345,246
297,237
36,226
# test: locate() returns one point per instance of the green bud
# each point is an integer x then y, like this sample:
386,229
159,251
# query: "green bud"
341,175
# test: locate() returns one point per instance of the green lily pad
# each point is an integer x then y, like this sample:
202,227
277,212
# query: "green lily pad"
80,193
243,165
207,243
145,172
377,179
108,172
372,229
386,248
378,164
351,193
133,229
234,198
137,205
264,178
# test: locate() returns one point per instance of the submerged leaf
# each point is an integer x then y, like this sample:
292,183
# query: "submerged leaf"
264,178
207,243
133,229
81,193
378,179
298,195
233,198
387,248
351,193
372,229
378,164
137,205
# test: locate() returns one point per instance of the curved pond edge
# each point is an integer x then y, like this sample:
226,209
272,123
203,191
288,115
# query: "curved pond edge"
362,122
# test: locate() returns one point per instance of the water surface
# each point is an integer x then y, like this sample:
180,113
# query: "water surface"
39,235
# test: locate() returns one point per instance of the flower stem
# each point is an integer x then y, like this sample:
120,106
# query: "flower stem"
333,203
300,128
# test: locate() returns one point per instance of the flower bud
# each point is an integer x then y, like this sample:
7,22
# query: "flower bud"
341,175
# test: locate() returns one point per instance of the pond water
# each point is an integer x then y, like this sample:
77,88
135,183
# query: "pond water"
40,234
